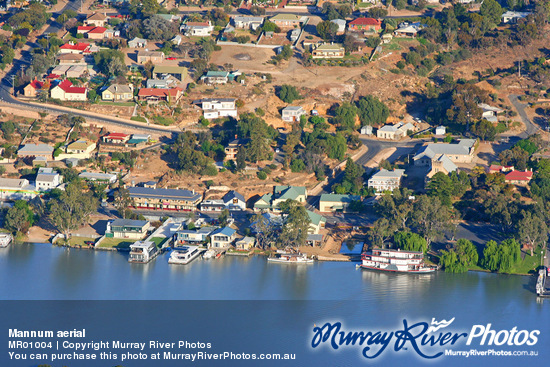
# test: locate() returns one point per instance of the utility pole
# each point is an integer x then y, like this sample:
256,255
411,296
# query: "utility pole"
519,68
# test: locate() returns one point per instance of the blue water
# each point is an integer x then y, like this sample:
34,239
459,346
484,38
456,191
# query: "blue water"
277,302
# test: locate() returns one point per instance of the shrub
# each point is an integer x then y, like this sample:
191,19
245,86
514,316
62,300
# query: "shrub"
262,175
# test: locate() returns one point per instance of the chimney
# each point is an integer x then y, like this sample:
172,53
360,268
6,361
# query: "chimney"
236,136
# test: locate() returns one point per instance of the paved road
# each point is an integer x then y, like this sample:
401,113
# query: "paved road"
530,127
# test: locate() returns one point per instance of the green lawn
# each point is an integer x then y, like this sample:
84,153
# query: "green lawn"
80,241
166,121
529,263
116,243
159,241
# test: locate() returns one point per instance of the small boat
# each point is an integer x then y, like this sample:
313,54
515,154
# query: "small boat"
184,255
209,254
5,239
396,261
291,258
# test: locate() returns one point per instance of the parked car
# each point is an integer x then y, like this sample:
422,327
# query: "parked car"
170,58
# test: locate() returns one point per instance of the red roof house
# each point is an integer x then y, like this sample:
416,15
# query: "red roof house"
160,94
116,138
31,89
84,28
519,177
365,24
65,91
74,48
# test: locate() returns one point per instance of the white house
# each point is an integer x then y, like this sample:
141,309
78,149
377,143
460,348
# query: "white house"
513,16
214,108
65,91
292,113
234,201
200,29
16,189
489,112
47,179
394,132
366,130
222,237
385,180
248,22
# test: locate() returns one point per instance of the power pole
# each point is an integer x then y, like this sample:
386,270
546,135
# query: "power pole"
519,68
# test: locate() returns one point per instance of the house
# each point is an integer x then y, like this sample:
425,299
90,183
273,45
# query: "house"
170,17
329,203
212,206
81,147
457,153
116,138
199,29
408,30
280,194
164,199
366,130
32,89
76,71
214,108
137,43
60,70
155,95
489,112
341,23
142,252
285,20
245,244
215,77
234,201
293,36
176,40
385,180
167,82
99,33
513,16
35,150
441,163
96,19
162,71
222,237
16,189
365,25
71,59
65,91
72,48
440,130
195,236
495,168
253,23
317,222
138,140
394,132
232,148
518,177
292,113
118,93
150,56
46,179
40,162
386,38
328,51
108,178
127,228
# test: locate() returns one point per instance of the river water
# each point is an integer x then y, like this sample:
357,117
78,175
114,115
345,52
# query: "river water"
285,299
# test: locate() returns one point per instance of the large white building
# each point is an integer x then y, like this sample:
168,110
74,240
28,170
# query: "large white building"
16,189
385,180
47,179
214,108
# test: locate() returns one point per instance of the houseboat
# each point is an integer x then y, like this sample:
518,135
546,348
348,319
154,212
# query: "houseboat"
5,239
396,260
290,258
184,255
142,252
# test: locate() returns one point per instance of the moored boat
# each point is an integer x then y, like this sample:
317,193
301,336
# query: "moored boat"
396,261
209,254
290,258
5,239
184,255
